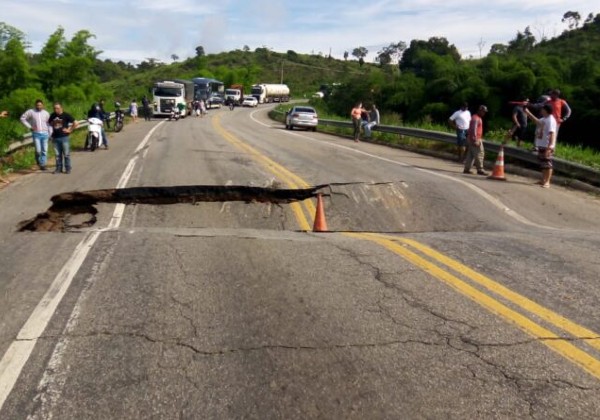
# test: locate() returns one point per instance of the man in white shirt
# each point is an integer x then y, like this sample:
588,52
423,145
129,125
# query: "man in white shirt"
461,120
545,141
373,120
36,120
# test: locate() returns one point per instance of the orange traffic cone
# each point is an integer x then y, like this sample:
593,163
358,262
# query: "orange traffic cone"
498,172
320,223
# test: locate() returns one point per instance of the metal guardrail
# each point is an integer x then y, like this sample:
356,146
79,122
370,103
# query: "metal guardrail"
27,140
571,169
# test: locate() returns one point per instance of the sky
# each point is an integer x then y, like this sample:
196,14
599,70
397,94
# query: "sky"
133,31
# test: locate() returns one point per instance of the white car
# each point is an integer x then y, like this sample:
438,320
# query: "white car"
303,117
250,101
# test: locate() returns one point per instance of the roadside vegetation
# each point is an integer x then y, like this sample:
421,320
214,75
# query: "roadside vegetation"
417,83
574,153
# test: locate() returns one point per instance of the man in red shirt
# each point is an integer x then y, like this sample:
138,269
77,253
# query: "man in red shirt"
560,108
475,152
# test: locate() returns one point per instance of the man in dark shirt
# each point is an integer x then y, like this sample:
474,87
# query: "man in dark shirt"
62,125
519,118
146,108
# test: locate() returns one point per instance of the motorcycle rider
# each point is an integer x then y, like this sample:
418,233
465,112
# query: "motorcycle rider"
96,112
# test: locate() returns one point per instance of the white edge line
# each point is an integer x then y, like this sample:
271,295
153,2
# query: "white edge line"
17,354
484,194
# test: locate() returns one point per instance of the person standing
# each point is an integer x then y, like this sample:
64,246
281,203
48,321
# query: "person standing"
62,125
146,108
519,118
36,120
373,120
475,151
133,110
202,106
356,114
545,141
460,120
561,110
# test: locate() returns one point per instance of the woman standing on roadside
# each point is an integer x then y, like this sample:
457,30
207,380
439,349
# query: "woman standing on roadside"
356,115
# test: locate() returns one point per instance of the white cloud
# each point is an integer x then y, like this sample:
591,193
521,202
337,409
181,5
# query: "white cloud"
159,28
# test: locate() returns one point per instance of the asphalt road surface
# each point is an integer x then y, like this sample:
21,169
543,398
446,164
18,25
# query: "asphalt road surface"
434,295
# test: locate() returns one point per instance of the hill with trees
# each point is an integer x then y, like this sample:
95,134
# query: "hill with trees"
424,80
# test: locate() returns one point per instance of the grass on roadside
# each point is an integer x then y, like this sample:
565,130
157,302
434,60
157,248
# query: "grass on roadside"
24,159
572,153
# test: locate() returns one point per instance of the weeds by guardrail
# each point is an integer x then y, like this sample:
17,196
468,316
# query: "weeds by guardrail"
565,167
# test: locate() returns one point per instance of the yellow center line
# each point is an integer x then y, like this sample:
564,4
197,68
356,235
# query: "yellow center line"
289,178
547,337
559,344
544,313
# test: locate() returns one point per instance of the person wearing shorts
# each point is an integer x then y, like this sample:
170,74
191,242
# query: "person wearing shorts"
461,120
545,142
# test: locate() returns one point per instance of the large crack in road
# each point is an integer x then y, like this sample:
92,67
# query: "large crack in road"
60,216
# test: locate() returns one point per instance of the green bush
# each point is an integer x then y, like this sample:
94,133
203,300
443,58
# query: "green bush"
69,94
20,100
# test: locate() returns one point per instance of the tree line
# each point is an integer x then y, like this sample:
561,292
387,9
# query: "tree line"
427,80
423,80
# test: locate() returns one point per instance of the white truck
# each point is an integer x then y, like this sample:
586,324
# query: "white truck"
265,93
166,95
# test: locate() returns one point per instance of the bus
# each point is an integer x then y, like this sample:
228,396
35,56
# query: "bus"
211,90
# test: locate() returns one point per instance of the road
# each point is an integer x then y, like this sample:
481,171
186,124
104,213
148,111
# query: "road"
434,295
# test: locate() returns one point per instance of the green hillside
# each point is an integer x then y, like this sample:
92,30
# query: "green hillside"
420,81
302,73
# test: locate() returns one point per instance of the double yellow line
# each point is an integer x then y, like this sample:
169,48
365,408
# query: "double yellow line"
433,265
477,287
304,211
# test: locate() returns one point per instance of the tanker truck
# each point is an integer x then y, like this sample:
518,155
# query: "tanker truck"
265,93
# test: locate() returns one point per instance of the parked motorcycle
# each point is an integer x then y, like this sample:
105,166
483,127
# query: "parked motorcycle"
119,117
94,134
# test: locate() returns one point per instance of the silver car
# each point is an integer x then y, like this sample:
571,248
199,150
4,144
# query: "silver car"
302,116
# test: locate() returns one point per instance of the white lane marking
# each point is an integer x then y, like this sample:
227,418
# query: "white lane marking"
482,193
18,352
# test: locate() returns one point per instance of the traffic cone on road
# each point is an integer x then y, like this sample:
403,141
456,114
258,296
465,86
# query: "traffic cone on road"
320,223
498,172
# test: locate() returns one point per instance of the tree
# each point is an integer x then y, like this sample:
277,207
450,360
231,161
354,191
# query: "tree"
436,45
14,67
572,19
246,48
480,44
523,42
360,52
498,49
391,54
292,55
174,57
346,55
200,51
8,32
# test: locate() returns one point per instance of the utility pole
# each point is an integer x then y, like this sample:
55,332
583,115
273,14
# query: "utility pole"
281,82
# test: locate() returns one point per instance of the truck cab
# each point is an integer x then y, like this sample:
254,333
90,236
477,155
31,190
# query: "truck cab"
234,95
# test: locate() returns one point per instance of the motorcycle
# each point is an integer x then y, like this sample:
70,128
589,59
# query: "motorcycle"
119,116
175,114
94,134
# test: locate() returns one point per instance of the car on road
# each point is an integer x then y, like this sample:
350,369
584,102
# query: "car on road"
302,116
250,101
214,101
